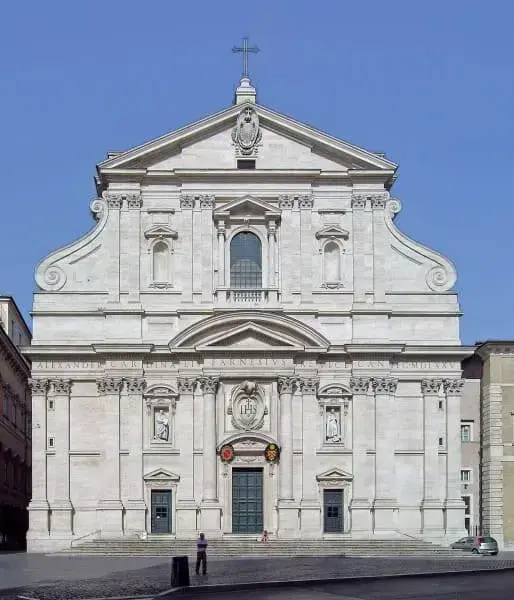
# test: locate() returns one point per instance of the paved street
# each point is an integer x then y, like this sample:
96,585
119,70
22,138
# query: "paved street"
484,586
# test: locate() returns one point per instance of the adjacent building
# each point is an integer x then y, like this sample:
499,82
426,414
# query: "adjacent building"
244,341
15,425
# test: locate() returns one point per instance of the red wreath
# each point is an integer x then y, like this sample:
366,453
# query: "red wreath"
272,453
227,453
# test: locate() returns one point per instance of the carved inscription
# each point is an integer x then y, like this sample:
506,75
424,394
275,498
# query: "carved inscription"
58,365
370,364
432,365
242,362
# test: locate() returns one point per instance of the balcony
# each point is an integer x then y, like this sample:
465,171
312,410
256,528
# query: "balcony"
246,297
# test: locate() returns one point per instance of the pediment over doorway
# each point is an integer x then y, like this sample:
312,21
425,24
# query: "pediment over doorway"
334,475
161,475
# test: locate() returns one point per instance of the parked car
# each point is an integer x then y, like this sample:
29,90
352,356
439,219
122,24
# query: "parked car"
482,544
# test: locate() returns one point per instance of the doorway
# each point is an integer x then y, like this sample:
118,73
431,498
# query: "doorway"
333,511
161,511
247,501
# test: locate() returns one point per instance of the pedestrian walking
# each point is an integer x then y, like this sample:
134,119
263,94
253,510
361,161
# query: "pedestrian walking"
201,555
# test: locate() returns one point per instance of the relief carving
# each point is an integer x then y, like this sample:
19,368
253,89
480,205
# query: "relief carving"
248,406
247,133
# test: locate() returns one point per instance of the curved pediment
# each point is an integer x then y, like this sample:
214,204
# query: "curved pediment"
249,331
248,443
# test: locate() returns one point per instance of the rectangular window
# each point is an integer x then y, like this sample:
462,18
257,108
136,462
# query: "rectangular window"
465,475
441,442
51,442
245,163
50,405
467,504
465,432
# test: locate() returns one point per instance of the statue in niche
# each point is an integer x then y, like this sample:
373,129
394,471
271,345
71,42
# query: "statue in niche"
333,427
162,426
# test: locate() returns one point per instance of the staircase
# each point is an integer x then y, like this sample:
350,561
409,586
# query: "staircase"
244,546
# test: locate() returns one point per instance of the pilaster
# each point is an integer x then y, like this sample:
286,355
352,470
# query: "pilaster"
380,248
110,506
432,505
131,246
362,249
186,266
38,533
385,503
207,204
114,203
135,506
454,503
305,204
60,504
221,253
363,431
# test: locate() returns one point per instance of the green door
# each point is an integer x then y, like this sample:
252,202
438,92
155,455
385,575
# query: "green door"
161,512
247,501
333,511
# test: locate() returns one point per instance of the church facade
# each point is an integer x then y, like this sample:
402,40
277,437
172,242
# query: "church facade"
245,341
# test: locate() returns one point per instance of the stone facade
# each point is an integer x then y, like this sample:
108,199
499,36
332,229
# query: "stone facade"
15,426
246,318
497,465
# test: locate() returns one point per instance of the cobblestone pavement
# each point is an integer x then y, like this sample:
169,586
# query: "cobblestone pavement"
104,577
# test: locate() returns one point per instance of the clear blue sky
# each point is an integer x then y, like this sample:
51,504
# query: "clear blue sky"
428,82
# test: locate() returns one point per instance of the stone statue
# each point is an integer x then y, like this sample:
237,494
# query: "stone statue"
162,426
332,429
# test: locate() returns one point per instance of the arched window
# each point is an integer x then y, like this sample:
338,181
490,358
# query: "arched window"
245,261
332,263
161,262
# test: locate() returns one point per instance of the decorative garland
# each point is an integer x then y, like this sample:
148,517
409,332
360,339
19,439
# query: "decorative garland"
227,453
272,453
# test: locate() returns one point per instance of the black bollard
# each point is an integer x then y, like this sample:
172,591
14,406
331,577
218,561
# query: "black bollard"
180,571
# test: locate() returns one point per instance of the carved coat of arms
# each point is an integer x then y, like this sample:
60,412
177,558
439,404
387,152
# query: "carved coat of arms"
248,407
247,134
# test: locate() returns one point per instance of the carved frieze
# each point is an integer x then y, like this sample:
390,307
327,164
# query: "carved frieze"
247,134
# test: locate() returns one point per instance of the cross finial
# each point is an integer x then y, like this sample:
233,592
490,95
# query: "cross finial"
245,49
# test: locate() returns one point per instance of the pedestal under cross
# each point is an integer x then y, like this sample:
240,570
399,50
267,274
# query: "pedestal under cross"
245,50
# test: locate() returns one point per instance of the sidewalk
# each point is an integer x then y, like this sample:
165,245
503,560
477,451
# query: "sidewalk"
66,578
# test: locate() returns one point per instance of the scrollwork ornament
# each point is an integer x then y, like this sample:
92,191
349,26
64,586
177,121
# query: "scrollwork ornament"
186,385
54,278
62,386
453,387
430,387
439,279
109,385
359,385
209,385
286,385
135,385
97,208
37,386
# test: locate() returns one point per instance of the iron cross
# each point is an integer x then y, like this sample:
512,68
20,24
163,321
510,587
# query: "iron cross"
245,50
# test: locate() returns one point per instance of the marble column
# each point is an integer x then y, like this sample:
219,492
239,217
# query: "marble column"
211,510
288,509
221,254
310,504
185,503
432,508
135,506
38,533
110,506
454,504
385,504
60,503
363,439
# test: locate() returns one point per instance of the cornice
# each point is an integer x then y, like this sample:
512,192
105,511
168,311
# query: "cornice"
122,348
495,348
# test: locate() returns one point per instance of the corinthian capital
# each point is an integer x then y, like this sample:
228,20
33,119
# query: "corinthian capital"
384,385
39,386
305,201
308,385
453,387
61,386
359,201
135,385
109,385
113,200
359,385
286,385
207,201
134,201
209,385
378,201
430,387
285,202
186,385
187,201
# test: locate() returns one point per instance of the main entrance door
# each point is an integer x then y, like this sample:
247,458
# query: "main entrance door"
247,501
333,511
161,512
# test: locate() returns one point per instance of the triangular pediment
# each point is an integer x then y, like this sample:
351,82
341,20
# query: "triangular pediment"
207,144
332,231
334,474
161,475
160,231
247,205
250,336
